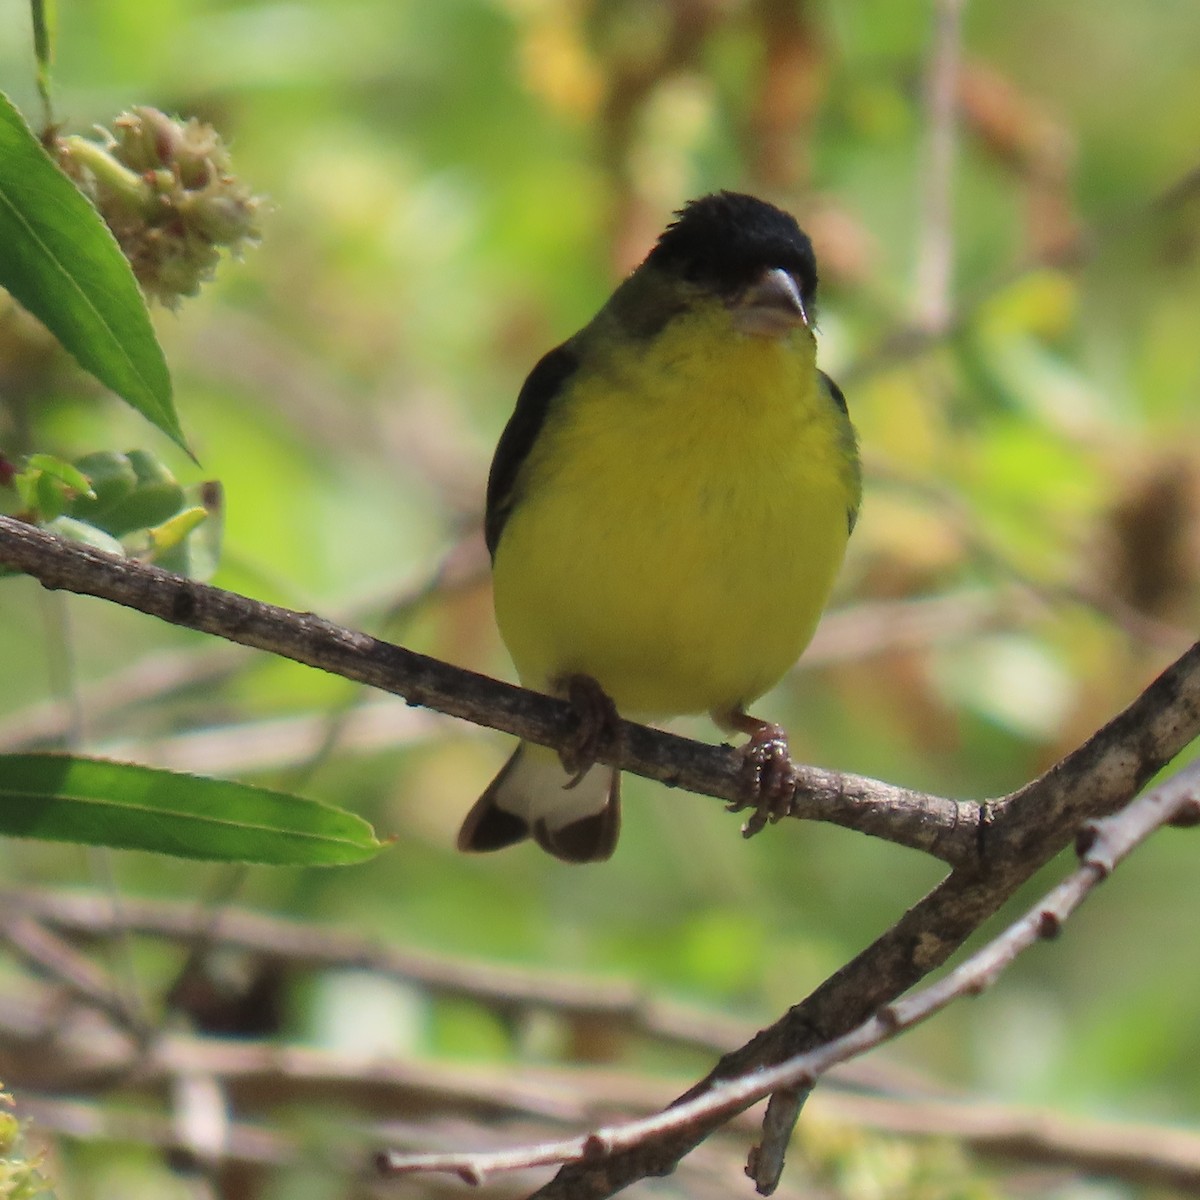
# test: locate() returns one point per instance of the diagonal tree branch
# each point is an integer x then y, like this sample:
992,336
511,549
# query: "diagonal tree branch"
1092,782
592,1158
944,828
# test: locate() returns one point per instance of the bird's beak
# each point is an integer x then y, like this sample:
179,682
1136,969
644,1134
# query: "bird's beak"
770,307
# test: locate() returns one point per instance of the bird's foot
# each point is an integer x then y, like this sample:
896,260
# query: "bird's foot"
769,772
598,725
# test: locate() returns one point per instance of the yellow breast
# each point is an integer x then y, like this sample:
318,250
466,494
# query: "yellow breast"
682,516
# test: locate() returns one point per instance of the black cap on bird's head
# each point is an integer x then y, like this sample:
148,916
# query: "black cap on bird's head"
728,241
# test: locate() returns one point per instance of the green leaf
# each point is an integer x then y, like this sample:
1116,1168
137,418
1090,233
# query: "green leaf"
59,260
199,553
51,499
62,470
131,491
85,532
170,534
48,485
111,477
91,802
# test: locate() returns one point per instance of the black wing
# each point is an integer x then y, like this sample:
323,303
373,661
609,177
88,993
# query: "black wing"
545,382
836,392
851,444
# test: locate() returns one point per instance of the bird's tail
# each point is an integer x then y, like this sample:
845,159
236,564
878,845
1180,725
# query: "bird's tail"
532,797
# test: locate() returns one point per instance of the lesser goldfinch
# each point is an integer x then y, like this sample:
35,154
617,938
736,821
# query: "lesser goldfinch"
667,507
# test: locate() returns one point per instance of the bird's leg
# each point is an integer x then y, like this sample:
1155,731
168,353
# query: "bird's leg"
598,726
771,776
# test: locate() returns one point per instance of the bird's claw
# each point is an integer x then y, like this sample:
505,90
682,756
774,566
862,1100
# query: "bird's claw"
770,778
598,725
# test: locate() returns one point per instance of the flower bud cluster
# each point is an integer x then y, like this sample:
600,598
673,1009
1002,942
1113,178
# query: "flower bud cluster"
166,190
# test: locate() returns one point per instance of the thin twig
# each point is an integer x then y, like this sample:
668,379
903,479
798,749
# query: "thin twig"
1106,845
1018,838
850,634
164,675
297,945
155,678
277,742
932,304
301,945
48,955
944,828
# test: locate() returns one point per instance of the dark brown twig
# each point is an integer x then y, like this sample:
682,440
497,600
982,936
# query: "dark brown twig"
1018,838
1106,844
944,828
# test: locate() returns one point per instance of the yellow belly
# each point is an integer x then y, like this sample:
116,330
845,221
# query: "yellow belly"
678,533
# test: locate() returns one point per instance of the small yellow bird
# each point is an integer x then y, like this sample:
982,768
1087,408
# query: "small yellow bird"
667,509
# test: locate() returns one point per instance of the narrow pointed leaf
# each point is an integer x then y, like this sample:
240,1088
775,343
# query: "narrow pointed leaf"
92,802
59,260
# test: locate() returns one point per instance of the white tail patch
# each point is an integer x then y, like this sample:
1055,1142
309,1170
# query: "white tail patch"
532,796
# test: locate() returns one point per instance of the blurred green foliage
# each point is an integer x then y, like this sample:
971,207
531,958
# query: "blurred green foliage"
455,187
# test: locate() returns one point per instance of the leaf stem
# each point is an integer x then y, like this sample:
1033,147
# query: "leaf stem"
43,50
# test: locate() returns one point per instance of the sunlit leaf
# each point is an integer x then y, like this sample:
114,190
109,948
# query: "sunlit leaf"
67,472
88,535
133,491
61,262
171,533
196,552
91,802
